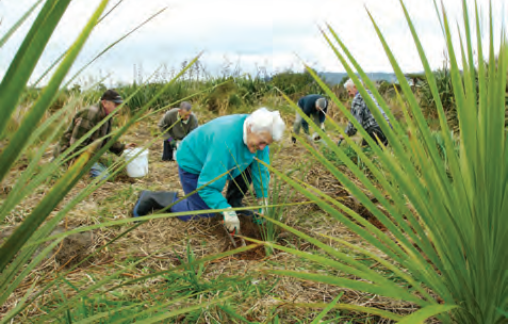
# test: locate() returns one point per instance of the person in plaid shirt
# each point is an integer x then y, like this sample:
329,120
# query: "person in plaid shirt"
84,121
363,115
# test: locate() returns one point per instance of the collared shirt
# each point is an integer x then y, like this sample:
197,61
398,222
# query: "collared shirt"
362,114
84,121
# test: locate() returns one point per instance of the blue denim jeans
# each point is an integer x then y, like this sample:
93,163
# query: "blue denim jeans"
194,202
97,170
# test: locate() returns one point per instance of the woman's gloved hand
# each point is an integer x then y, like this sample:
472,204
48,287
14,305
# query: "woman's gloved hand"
232,222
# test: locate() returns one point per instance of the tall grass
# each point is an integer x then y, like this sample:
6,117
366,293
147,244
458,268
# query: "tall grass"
18,257
447,232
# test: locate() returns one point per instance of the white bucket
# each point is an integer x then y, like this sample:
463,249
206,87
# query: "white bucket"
138,167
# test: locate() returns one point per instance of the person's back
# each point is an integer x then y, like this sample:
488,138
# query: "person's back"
315,107
210,140
308,104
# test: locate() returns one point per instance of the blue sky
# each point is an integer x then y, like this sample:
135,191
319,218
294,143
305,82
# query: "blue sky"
274,34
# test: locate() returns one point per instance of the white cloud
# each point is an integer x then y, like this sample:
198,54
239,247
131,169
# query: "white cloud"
266,33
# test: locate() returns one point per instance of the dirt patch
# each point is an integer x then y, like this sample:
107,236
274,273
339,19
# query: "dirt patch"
74,248
249,229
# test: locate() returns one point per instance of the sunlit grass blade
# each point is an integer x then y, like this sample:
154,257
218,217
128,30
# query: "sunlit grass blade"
60,58
111,46
350,307
325,311
26,58
350,266
18,24
19,140
423,314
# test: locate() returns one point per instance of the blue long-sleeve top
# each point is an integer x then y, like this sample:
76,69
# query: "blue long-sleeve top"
308,106
217,147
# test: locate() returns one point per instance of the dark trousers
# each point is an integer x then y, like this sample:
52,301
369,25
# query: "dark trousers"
167,154
237,188
375,133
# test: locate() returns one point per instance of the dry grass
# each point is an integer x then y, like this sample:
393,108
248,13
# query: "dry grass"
166,239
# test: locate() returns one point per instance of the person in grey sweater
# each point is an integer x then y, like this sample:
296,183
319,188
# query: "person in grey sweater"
176,124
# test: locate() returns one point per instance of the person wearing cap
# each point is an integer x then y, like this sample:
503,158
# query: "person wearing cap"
176,124
315,107
84,121
363,115
226,149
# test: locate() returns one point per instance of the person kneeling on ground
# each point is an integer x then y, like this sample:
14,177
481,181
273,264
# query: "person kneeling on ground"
363,115
84,121
224,149
315,107
176,124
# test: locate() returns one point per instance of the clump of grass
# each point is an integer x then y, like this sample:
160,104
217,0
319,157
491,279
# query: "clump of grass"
447,227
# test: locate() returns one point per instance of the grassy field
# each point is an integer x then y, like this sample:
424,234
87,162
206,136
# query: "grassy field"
165,243
412,233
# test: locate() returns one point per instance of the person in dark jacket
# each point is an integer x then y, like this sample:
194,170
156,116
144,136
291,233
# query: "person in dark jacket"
315,107
176,124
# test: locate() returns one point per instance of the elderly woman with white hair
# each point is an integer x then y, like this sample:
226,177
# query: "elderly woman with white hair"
226,149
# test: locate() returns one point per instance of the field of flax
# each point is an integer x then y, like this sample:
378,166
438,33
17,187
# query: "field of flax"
410,233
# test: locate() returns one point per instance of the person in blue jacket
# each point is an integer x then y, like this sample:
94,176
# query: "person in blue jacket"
226,149
315,107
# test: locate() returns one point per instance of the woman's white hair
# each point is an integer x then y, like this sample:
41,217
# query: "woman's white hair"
350,83
263,120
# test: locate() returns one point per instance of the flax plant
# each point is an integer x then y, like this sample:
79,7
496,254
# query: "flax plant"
17,259
447,232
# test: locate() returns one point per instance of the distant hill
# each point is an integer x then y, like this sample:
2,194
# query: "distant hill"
336,77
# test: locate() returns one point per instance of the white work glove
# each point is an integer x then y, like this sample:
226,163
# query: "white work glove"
232,222
322,126
178,143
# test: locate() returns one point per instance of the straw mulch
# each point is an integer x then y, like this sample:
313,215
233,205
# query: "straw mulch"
164,241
